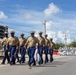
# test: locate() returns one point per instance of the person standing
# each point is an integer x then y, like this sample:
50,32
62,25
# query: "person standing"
22,42
31,44
51,48
4,42
13,46
41,44
46,48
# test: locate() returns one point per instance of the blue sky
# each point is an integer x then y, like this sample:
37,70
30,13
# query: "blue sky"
27,15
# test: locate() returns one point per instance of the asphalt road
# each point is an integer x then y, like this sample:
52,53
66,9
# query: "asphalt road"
62,65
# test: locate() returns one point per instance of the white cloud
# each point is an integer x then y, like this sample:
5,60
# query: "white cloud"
34,22
2,15
33,19
68,41
26,16
51,10
49,25
57,34
50,32
61,36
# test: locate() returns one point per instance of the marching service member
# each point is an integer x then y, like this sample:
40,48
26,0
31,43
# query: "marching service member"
46,48
22,42
31,44
13,46
41,44
51,48
4,42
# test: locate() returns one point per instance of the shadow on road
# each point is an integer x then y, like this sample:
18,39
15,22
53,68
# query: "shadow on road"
53,64
49,64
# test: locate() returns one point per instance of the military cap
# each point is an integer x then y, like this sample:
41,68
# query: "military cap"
12,31
40,32
5,32
51,38
45,35
32,32
22,34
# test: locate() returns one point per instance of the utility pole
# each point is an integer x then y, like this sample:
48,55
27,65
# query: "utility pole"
65,38
44,26
74,39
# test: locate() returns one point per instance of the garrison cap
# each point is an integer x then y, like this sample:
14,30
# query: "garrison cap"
51,38
5,32
12,31
32,32
45,35
40,32
22,34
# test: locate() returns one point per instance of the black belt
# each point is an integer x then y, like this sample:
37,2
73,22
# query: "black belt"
32,47
22,45
40,45
12,45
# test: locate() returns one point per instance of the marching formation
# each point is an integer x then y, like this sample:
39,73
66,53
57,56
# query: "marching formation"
13,45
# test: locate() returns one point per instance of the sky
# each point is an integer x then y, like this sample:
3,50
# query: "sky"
24,16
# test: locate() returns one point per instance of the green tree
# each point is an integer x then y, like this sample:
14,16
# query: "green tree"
58,45
73,44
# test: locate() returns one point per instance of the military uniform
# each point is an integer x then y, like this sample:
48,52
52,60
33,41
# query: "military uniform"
31,44
46,49
41,42
13,44
4,42
17,50
22,42
51,48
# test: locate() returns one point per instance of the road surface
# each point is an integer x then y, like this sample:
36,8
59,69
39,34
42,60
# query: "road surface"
62,65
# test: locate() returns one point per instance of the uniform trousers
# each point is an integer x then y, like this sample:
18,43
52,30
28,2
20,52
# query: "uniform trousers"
16,55
22,52
31,52
40,51
12,54
6,56
51,54
46,53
